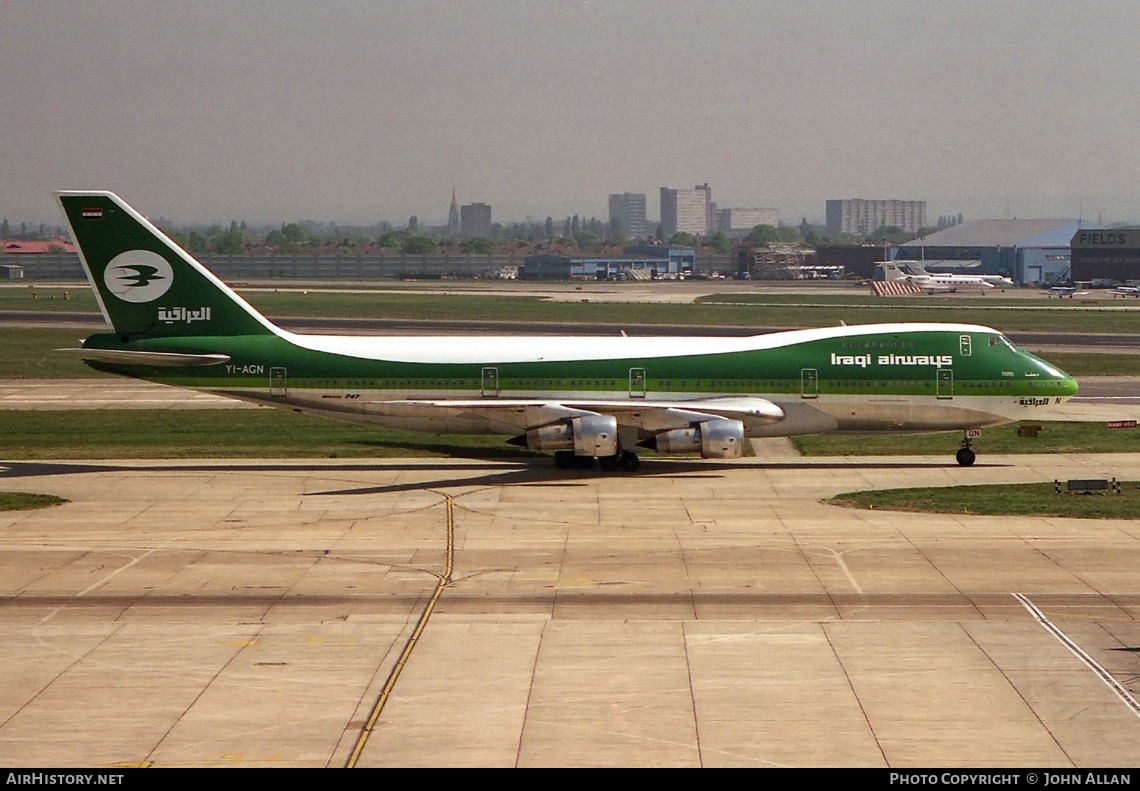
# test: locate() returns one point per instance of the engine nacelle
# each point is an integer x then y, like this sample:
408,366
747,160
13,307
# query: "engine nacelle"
713,439
589,435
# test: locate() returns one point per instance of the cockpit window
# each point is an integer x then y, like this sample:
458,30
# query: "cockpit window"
997,340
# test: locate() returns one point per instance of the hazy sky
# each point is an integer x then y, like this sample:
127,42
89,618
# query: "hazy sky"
365,111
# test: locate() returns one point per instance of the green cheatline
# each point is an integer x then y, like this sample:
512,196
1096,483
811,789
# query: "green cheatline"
22,501
1031,499
29,353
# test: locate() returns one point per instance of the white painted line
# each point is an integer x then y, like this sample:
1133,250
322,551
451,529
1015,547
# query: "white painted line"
1122,693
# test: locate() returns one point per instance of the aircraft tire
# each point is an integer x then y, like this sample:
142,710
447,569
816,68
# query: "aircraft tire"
564,459
584,462
630,462
965,456
609,463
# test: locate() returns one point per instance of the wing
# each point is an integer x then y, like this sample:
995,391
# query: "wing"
648,417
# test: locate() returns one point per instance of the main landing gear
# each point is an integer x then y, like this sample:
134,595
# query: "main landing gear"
965,455
627,461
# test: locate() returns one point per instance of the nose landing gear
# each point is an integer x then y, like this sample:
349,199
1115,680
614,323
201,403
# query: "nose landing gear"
965,455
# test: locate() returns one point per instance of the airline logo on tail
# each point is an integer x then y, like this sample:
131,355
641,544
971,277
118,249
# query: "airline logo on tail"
138,276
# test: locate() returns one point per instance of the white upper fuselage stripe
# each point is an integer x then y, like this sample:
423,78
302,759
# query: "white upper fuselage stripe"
526,349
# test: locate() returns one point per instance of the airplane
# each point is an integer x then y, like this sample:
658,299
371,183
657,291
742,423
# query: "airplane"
998,281
173,321
1060,292
1126,291
914,272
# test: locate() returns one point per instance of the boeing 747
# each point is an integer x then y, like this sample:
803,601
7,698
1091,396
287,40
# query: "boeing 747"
172,321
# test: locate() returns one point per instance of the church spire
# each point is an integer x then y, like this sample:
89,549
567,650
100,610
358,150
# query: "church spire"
453,216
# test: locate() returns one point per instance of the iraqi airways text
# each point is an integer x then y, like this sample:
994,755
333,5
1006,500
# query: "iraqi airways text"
867,360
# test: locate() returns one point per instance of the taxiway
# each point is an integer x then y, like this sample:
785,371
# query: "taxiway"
696,614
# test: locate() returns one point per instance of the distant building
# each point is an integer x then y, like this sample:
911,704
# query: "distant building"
782,262
627,214
1028,251
690,211
740,222
681,259
453,226
35,247
640,262
858,260
1107,255
859,217
475,220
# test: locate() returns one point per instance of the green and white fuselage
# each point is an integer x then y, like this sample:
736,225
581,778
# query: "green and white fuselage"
174,322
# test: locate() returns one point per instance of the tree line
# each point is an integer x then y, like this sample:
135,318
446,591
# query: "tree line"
573,234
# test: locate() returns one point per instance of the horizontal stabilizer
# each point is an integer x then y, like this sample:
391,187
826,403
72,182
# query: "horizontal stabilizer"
161,359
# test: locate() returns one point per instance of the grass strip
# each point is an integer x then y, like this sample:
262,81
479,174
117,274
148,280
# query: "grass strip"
743,310
30,353
1054,437
270,433
1033,499
23,501
222,434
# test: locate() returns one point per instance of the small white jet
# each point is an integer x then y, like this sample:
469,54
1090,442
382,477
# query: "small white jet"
1064,291
915,273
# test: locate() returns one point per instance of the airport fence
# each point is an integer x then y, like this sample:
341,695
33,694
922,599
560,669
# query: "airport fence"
65,266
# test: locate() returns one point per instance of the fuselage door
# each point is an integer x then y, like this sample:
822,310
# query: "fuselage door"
964,345
277,386
809,383
945,382
490,382
637,383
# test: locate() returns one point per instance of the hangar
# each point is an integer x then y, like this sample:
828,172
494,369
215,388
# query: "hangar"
1030,252
1107,256
640,262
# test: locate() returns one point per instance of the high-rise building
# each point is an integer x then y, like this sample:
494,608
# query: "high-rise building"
627,214
742,221
710,207
475,220
453,226
690,211
860,217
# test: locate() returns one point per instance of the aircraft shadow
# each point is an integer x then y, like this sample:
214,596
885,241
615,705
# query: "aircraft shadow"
538,472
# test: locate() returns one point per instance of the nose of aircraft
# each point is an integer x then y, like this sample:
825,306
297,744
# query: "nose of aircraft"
1069,386
1064,382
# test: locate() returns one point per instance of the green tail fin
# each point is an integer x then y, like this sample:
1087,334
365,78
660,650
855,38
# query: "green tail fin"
146,284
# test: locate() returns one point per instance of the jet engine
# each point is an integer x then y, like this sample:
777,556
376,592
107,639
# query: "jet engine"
713,439
589,435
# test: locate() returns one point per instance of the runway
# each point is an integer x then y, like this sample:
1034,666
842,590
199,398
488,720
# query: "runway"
696,614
